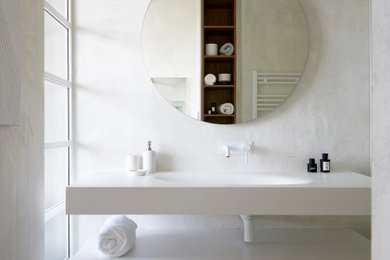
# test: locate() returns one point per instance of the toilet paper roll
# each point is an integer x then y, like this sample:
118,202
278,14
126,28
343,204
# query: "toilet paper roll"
211,49
132,162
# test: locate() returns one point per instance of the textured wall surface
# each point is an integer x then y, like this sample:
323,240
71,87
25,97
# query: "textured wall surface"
273,37
9,69
171,46
380,111
21,149
117,108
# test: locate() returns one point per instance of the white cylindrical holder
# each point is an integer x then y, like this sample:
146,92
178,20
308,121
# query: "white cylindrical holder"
211,49
249,229
132,162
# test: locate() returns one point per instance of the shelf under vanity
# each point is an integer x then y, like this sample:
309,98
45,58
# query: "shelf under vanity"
226,244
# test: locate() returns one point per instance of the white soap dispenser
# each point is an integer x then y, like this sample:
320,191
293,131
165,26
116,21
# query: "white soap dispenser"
149,159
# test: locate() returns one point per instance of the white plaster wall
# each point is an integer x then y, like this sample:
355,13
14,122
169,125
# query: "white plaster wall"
380,111
9,67
117,108
21,149
273,39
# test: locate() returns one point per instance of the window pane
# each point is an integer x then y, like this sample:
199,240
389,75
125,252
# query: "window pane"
56,61
56,113
61,6
56,238
56,172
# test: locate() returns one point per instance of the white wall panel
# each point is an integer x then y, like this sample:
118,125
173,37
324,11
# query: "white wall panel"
9,64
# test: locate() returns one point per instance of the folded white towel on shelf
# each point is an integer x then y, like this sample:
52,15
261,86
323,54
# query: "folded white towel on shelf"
117,237
227,49
226,108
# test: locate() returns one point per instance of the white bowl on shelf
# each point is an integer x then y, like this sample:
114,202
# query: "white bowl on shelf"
224,78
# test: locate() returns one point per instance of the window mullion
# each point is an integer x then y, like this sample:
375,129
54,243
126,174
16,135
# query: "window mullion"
54,211
64,81
57,80
56,15
58,144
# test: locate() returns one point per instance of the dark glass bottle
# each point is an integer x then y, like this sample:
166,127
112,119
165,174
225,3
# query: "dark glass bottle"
312,166
325,163
213,108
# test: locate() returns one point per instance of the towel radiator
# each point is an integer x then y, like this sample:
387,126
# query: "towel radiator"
269,101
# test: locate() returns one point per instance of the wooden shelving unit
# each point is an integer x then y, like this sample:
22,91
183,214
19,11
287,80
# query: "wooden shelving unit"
219,26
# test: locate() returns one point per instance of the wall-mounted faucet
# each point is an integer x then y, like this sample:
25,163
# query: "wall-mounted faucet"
227,151
229,148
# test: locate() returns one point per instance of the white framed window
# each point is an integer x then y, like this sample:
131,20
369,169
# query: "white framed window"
58,137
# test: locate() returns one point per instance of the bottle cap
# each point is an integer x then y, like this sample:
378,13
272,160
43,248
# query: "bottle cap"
312,161
324,156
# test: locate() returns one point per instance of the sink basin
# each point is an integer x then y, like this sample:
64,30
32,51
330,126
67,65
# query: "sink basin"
230,179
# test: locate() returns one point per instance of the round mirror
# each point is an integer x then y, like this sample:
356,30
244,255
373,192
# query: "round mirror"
225,61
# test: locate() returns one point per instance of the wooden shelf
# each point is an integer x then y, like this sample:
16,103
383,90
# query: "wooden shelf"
219,57
219,27
220,2
218,115
219,86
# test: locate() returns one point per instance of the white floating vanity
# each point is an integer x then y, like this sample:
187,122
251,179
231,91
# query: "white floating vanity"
229,193
217,193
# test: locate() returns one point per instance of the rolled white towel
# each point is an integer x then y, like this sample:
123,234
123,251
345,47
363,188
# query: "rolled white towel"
226,108
210,79
227,49
117,237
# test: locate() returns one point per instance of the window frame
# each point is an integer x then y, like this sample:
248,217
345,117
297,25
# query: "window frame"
65,83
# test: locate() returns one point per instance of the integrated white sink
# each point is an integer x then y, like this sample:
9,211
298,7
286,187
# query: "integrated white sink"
230,179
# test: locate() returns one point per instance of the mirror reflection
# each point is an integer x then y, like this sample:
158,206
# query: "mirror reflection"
225,61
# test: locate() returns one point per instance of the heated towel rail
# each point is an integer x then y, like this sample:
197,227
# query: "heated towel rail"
267,102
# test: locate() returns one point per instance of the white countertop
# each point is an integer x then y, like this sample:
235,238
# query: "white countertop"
306,180
216,193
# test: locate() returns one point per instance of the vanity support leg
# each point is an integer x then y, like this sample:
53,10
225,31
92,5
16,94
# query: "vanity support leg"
249,232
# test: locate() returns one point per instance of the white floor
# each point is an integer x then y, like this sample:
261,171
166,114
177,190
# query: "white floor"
227,244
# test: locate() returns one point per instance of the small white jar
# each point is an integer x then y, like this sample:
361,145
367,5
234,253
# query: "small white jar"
211,49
